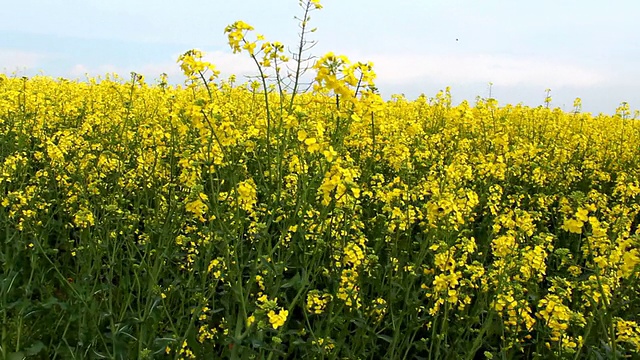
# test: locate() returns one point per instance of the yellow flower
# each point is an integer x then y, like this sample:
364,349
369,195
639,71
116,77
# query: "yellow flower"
248,195
629,332
582,214
317,302
312,144
197,207
278,319
573,225
84,218
302,135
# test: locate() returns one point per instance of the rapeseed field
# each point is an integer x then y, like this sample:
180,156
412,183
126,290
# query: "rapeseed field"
255,220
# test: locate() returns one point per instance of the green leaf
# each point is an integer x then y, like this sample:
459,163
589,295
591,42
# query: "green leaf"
385,338
51,301
294,281
35,348
19,355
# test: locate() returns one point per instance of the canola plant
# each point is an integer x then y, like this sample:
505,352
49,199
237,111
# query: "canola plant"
255,220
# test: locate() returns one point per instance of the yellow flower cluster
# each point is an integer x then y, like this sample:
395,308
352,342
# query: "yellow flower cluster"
277,319
407,214
317,302
628,331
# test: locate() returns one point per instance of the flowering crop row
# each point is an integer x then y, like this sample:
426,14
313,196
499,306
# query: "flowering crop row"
154,221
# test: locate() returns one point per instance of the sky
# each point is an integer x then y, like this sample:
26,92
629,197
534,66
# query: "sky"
588,49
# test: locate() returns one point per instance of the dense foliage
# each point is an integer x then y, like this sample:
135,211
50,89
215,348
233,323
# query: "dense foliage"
237,220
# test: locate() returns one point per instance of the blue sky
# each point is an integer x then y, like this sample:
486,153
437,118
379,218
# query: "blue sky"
587,49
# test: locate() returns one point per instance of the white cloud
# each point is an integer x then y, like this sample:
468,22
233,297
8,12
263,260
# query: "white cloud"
78,70
226,63
502,70
82,70
19,60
